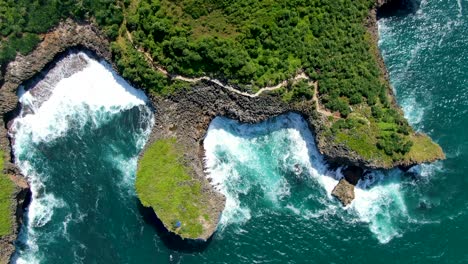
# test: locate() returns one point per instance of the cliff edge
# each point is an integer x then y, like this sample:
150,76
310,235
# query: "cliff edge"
182,118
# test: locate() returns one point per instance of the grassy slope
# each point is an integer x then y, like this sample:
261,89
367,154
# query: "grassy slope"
362,133
331,45
256,42
6,190
165,184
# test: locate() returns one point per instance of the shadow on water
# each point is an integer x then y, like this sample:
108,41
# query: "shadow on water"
171,240
398,8
23,234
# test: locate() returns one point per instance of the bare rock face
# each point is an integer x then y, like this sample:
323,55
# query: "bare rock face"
66,35
380,3
344,191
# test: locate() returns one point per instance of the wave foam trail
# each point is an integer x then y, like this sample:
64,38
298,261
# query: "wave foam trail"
413,112
380,202
242,159
460,8
245,149
78,91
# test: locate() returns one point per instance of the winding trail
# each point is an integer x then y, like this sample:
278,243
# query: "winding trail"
300,76
318,107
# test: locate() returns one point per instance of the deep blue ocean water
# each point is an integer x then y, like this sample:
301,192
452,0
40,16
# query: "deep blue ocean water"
279,208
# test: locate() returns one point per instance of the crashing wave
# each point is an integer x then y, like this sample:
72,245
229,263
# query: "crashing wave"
243,159
78,91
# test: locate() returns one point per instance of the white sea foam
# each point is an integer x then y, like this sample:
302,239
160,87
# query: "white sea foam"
128,169
379,201
223,173
230,146
460,8
243,145
92,94
413,111
94,89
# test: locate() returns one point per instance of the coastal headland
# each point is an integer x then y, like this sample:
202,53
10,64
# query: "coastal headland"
182,119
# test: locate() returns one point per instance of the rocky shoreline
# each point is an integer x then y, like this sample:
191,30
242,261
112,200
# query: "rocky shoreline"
184,115
54,45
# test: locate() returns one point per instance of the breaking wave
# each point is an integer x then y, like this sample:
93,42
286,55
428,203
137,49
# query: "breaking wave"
265,164
68,101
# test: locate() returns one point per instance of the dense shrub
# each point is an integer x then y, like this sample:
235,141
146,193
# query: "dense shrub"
265,42
249,43
22,20
394,143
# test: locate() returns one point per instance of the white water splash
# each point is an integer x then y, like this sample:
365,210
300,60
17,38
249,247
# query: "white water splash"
380,202
94,89
92,94
231,146
241,148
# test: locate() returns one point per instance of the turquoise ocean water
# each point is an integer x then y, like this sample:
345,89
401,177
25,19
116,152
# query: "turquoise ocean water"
79,151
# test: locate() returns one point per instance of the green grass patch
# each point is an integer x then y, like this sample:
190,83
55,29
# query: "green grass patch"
6,189
164,184
383,140
364,144
372,138
387,126
424,149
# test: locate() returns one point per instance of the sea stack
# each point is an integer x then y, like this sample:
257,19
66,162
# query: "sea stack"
344,190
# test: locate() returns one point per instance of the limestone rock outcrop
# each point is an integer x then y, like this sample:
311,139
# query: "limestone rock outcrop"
66,35
344,190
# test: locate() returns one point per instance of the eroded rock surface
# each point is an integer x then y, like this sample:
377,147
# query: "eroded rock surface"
344,190
66,35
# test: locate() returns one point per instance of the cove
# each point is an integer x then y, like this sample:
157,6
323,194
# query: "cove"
274,179
77,140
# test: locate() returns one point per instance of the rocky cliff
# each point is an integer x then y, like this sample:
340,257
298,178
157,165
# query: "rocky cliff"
184,115
67,35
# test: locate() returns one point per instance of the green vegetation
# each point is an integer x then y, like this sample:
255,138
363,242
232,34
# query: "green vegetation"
164,184
6,190
248,43
21,21
382,142
133,66
423,149
262,42
253,43
297,91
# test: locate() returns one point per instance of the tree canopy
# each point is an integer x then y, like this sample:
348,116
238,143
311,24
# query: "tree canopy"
247,43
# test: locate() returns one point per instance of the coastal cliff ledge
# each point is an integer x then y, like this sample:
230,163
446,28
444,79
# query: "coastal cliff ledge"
182,119
54,44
